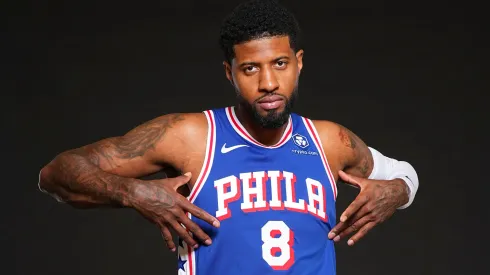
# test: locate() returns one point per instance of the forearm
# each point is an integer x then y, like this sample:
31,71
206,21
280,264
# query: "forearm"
74,179
386,168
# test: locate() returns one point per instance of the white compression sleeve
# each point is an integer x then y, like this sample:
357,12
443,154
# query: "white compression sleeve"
386,168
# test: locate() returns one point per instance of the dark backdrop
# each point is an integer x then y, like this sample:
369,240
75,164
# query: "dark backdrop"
406,76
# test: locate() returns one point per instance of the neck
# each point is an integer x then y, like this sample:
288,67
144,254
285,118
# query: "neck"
265,136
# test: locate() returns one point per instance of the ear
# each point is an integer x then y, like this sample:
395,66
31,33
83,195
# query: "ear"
299,58
227,68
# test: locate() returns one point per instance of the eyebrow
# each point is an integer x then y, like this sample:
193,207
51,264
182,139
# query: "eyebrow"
255,63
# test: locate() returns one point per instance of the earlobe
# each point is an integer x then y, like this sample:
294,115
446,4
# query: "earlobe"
299,58
227,68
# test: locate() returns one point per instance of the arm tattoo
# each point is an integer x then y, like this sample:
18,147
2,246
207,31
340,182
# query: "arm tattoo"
347,137
135,143
83,183
138,141
78,173
363,167
361,152
156,198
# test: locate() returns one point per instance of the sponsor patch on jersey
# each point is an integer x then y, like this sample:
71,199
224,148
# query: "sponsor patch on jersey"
302,142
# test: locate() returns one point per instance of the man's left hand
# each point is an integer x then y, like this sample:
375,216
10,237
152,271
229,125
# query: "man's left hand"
376,202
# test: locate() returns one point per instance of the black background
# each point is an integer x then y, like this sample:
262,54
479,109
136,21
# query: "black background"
407,77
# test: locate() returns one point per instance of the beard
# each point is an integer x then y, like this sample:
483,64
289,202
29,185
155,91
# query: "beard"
273,119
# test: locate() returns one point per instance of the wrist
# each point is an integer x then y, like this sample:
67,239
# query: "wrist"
411,190
136,190
122,191
404,194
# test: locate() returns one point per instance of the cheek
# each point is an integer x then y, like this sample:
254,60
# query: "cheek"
246,85
289,79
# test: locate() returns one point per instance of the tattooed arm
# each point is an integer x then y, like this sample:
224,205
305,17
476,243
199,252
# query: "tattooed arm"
356,158
105,173
344,150
100,173
352,161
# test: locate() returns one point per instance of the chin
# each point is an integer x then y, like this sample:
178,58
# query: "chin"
271,119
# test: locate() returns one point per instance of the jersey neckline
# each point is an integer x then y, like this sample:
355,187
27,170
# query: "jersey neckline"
240,130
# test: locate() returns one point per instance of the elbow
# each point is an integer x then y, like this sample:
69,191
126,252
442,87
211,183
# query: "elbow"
47,182
45,176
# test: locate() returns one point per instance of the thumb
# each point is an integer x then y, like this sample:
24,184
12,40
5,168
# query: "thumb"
350,179
182,180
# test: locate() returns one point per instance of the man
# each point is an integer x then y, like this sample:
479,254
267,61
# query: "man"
262,179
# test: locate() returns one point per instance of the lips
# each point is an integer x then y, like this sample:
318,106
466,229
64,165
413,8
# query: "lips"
271,102
270,99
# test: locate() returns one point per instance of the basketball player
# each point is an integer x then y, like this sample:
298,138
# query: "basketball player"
262,179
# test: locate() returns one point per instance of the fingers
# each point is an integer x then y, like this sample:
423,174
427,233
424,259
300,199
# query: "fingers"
353,227
361,233
191,226
183,233
167,236
359,202
359,208
342,226
197,232
199,213
183,226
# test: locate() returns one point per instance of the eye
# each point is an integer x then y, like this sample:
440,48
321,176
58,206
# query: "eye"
250,69
281,64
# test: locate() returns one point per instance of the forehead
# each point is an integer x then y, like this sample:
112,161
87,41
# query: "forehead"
263,49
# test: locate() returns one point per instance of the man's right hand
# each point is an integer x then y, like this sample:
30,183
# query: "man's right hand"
159,202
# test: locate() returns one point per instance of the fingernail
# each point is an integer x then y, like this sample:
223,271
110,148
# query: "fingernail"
188,174
196,246
350,242
331,235
173,249
208,242
216,223
343,218
336,239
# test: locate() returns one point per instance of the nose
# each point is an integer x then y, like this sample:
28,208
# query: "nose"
268,82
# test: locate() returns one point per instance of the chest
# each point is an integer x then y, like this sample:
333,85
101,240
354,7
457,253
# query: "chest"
250,180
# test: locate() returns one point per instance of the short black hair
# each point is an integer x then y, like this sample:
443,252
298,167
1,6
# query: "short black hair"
254,20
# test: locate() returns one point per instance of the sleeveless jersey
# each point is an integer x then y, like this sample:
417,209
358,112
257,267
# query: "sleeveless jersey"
276,204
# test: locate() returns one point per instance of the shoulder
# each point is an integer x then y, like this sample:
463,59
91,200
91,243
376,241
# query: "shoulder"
180,127
328,131
347,149
338,142
332,133
169,137
187,123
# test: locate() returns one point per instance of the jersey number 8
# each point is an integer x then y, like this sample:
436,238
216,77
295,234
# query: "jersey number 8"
277,248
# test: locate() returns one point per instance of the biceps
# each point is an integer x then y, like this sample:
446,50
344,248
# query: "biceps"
358,159
362,166
121,157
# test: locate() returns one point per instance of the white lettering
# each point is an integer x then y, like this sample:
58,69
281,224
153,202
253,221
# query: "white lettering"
275,202
225,196
257,192
290,202
316,197
232,188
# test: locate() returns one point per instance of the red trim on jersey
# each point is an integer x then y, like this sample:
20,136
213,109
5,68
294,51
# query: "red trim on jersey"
190,260
208,159
243,132
314,134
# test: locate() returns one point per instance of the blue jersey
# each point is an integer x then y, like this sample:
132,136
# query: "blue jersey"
276,204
